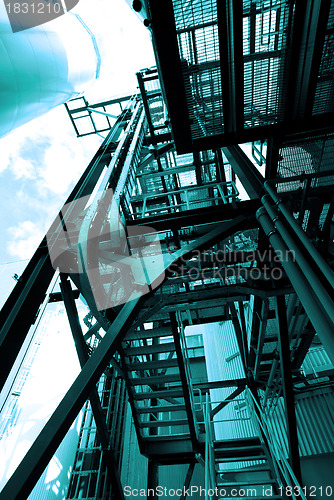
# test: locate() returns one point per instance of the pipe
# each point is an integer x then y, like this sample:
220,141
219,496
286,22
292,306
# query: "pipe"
314,281
310,302
313,251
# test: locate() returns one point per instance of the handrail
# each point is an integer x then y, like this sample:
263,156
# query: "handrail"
281,464
210,475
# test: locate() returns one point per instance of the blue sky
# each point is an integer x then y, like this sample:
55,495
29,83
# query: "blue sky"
41,161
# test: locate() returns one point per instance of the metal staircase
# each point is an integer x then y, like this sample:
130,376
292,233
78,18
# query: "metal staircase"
252,480
248,467
157,372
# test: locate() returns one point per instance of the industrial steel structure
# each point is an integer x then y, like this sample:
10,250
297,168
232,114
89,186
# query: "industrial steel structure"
178,224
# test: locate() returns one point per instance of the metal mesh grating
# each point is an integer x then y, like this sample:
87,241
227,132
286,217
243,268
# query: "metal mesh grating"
324,98
156,104
191,13
315,154
196,25
264,48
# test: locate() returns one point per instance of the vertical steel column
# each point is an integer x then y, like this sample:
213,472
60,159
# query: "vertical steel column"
239,335
101,425
152,479
289,400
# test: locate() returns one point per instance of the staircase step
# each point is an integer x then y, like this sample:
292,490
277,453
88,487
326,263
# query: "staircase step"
240,442
149,334
252,468
167,437
155,380
150,349
255,482
161,409
237,452
163,423
152,365
168,393
241,458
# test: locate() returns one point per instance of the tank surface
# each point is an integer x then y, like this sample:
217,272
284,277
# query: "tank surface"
43,67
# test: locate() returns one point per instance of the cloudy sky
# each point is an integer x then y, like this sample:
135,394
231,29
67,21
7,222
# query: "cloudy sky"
41,161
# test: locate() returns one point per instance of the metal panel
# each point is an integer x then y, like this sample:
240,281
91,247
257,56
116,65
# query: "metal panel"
42,67
233,421
315,421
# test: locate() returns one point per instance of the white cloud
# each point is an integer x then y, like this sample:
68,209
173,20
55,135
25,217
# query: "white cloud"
41,161
24,239
23,169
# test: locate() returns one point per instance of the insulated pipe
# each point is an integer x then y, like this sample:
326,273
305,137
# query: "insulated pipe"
320,261
309,300
312,278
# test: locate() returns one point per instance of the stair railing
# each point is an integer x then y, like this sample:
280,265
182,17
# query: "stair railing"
285,475
210,469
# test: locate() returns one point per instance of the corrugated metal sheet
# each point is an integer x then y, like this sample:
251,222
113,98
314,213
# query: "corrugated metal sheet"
316,361
224,363
315,421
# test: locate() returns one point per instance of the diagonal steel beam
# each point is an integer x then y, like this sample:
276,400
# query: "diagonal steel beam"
18,313
248,174
188,480
185,380
42,450
31,467
226,401
101,425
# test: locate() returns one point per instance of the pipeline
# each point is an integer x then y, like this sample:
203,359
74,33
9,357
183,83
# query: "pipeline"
310,301
298,231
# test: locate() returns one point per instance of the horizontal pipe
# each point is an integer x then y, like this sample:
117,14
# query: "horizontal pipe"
312,250
309,300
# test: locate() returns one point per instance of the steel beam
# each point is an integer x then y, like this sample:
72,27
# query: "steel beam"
18,313
239,335
166,48
44,447
187,480
308,35
187,218
185,381
101,425
145,103
230,28
255,330
248,174
261,337
226,401
289,400
152,479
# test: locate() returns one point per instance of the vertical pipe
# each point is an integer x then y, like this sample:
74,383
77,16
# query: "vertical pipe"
289,400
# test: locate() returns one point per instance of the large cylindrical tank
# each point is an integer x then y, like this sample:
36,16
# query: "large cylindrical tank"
43,67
